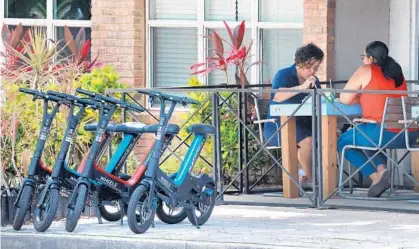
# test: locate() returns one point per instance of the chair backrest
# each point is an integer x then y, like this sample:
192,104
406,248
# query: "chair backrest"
261,109
393,112
410,102
411,114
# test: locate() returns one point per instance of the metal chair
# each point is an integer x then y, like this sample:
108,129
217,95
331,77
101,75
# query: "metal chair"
261,109
410,122
392,114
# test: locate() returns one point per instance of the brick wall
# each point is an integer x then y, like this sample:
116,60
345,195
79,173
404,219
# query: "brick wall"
118,36
319,28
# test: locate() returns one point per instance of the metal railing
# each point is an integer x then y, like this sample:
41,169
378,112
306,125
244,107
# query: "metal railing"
233,100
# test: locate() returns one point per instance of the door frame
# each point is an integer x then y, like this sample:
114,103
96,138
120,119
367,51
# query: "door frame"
415,41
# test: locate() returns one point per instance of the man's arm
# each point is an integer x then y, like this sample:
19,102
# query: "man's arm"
281,82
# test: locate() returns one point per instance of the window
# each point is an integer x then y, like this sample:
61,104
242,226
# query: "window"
278,49
32,9
219,10
283,11
173,10
171,44
52,15
176,31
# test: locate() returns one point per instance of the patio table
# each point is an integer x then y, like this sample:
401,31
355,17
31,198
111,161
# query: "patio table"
329,117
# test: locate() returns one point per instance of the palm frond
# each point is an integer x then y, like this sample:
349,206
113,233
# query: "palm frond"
63,9
39,10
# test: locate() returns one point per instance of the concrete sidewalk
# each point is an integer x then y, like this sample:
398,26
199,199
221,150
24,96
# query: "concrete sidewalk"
236,227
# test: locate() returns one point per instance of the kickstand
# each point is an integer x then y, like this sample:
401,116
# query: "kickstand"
195,218
96,205
121,204
152,224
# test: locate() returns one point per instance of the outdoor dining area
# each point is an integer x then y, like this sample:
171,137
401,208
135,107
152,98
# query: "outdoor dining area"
336,182
399,113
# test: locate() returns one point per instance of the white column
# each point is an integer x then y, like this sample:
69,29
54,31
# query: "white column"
400,34
415,41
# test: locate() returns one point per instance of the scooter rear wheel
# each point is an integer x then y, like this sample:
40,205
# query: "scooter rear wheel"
169,217
108,214
204,209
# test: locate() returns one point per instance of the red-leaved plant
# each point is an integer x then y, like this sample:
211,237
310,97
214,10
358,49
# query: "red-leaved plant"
80,48
237,56
12,40
33,58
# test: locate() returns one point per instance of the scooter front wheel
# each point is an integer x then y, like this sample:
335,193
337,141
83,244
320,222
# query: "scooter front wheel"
23,206
74,213
44,213
140,217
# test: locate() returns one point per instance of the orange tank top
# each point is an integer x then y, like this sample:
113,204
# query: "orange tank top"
372,105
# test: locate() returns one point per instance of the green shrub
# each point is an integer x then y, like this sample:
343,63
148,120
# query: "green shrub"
17,150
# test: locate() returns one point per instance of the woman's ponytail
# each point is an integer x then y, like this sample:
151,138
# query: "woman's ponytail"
392,70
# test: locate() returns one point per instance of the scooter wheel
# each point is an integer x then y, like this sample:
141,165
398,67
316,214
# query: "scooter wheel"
23,206
45,213
170,216
73,214
140,217
110,215
203,211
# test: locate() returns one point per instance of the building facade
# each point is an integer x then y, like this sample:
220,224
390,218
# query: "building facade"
152,43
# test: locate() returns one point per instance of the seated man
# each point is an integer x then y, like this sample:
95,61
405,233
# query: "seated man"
299,76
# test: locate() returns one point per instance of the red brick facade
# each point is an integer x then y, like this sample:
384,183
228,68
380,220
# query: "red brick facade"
319,28
118,36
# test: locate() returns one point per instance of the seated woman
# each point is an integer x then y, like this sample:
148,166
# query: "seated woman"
299,76
379,72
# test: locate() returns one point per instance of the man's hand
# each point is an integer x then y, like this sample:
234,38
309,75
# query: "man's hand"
309,83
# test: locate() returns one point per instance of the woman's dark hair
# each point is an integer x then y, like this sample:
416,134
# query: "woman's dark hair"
307,53
390,68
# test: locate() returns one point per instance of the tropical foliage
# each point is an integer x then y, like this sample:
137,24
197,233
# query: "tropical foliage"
33,61
221,59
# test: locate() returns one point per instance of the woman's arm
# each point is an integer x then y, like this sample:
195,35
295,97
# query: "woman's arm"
359,79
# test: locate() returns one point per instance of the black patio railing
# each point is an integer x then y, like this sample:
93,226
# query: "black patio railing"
249,166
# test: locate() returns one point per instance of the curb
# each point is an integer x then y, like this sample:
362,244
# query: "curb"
73,241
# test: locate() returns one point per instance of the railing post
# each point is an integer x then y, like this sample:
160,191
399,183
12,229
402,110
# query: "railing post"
316,188
318,101
241,140
124,119
218,164
245,143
